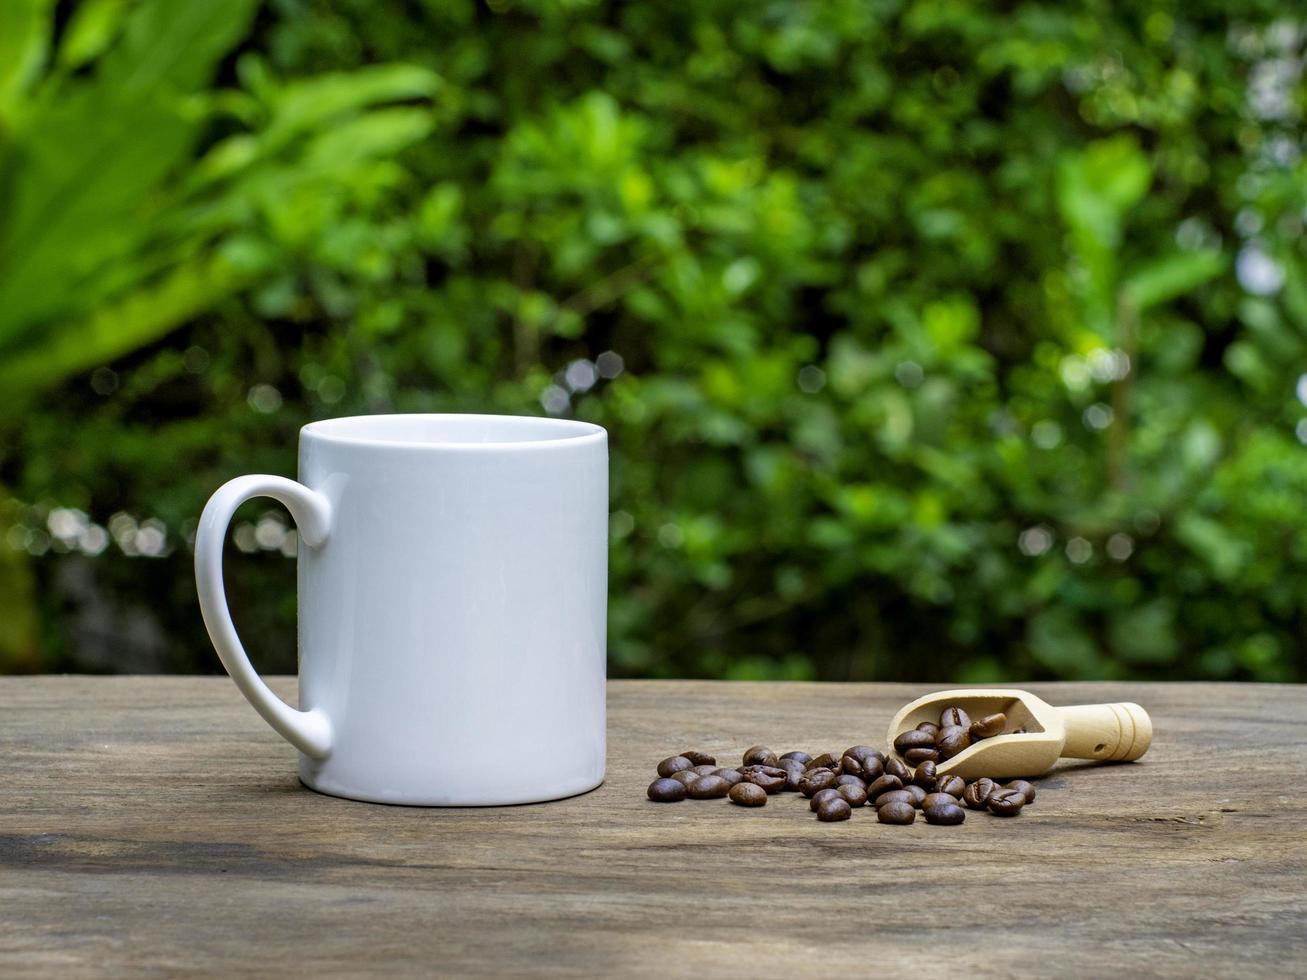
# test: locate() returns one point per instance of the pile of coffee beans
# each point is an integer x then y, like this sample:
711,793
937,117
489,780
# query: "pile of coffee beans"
929,742
835,785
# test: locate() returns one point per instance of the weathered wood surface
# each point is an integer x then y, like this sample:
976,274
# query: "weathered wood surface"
155,827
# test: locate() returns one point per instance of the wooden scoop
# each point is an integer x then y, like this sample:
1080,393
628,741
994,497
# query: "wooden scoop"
1107,732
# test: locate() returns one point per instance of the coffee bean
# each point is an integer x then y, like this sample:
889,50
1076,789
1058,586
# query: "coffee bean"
952,740
929,727
685,777
1024,788
871,767
916,792
850,780
666,790
883,784
790,765
815,780
793,773
915,757
913,739
925,776
944,813
708,788
1006,802
670,767
954,716
895,796
759,755
796,756
864,761
896,812
704,769
896,768
700,758
732,776
989,726
934,799
834,810
952,785
827,760
821,796
769,778
864,752
748,794
853,795
976,795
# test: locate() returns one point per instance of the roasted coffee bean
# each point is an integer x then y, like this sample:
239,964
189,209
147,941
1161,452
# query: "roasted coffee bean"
827,760
913,739
1024,788
896,812
853,795
864,752
708,788
976,795
896,767
748,794
954,716
666,790
864,761
732,776
916,792
790,765
759,755
769,778
925,776
934,799
894,796
1006,802
700,758
915,757
797,756
868,768
883,784
704,769
793,774
944,813
989,726
670,767
821,796
849,780
929,727
834,810
951,741
685,777
952,785
815,780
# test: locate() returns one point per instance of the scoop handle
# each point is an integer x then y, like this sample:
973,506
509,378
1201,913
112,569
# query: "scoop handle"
1119,732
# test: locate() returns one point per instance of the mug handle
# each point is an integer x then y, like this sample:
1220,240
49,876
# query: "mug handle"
309,731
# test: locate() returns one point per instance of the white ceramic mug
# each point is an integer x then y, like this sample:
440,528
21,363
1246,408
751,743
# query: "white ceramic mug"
453,578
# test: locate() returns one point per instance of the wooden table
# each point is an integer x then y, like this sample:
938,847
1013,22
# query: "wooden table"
154,826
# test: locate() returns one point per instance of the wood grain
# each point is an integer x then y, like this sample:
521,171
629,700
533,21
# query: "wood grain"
154,827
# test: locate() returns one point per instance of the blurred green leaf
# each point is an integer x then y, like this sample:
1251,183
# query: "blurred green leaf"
95,24
25,32
1172,277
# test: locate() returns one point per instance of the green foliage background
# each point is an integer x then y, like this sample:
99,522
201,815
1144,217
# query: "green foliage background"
959,341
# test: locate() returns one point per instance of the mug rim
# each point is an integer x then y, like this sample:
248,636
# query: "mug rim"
571,431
